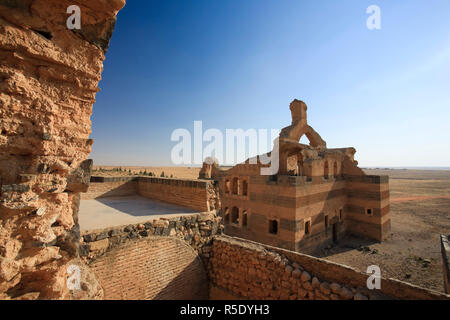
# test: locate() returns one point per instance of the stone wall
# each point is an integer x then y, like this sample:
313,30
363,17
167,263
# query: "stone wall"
49,76
445,249
159,259
243,269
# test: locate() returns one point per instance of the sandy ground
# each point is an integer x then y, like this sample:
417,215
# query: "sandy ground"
420,212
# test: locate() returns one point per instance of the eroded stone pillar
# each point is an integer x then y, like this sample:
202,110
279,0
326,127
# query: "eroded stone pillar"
48,81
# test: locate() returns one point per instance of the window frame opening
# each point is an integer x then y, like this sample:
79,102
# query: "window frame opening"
308,227
234,215
273,226
244,218
244,188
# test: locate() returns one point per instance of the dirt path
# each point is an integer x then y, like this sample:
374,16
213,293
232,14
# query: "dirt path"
415,198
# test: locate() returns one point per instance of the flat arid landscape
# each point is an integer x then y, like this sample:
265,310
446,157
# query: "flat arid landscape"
420,212
175,172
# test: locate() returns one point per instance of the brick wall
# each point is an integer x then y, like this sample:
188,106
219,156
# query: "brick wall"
247,270
291,201
101,187
188,193
161,268
368,193
199,195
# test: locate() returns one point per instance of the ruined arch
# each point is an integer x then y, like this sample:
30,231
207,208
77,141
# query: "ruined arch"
300,127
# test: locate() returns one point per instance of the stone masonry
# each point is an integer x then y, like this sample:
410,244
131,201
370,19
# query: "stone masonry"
49,76
240,269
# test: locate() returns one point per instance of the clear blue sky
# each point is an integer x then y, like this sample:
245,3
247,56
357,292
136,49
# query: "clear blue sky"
239,63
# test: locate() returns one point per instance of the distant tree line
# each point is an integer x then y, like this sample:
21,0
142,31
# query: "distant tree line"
130,173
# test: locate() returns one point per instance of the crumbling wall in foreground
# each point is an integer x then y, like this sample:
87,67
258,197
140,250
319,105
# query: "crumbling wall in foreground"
49,76
241,269
159,259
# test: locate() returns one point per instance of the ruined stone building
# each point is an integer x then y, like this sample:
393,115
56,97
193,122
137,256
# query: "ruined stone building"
317,196
49,78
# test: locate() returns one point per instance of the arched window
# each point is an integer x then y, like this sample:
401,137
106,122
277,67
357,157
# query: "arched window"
227,186
325,170
226,215
235,215
335,170
273,226
244,218
326,222
308,227
244,188
235,186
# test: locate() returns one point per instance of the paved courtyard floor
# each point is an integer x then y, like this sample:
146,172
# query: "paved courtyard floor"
116,211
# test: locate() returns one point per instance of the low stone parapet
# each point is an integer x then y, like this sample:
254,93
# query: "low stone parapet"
242,269
196,230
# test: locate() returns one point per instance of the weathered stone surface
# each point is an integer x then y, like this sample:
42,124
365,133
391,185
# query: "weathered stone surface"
49,78
296,273
335,288
99,245
315,283
251,271
79,179
305,276
99,242
325,288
